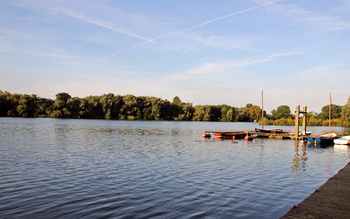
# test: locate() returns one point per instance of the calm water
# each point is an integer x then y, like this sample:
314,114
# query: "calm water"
122,169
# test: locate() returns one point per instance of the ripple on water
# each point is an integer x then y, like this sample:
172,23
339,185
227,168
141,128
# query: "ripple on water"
119,169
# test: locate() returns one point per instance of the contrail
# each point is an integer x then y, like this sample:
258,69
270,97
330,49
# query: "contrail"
72,14
193,27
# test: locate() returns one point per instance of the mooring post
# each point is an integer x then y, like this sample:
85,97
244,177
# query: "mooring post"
297,111
304,120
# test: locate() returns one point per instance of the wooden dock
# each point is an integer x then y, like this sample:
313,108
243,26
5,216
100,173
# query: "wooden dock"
278,136
332,200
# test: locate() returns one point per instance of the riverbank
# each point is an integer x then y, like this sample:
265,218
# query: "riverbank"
332,200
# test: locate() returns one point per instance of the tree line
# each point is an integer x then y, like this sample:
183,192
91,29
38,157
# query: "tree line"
130,107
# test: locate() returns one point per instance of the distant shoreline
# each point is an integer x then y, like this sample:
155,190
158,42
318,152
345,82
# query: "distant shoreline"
146,108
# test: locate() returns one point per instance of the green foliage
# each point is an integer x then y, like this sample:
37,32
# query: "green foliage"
186,112
231,115
248,105
61,107
243,115
336,112
199,112
273,114
206,113
346,113
255,112
282,112
176,100
44,107
3,104
130,107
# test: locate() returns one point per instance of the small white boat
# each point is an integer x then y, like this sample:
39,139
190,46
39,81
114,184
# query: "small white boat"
342,140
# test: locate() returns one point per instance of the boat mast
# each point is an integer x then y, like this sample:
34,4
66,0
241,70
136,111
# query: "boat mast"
262,110
330,112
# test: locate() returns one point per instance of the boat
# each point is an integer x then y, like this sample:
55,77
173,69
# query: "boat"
262,130
343,140
230,135
269,131
322,139
326,138
206,134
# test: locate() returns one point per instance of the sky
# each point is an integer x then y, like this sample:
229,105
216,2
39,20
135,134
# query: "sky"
203,51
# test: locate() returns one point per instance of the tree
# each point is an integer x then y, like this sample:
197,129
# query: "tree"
312,115
243,115
3,104
336,112
13,102
230,115
107,102
346,112
91,108
44,107
177,108
223,110
27,106
273,113
187,112
176,100
283,111
166,110
255,112
199,112
155,108
129,108
73,108
60,107
147,109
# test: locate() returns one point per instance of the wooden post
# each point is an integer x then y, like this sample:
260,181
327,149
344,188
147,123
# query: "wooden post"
304,120
297,111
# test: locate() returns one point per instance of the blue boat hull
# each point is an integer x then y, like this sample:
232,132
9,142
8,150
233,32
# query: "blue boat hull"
320,140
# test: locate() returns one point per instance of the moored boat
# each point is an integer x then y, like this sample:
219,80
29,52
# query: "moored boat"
269,131
326,138
322,139
230,135
206,134
343,140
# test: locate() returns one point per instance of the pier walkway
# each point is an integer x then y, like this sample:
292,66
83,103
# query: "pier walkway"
332,200
278,135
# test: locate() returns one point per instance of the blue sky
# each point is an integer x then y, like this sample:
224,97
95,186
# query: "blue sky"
205,52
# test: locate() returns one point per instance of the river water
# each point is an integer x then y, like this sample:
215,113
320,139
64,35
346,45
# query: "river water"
51,168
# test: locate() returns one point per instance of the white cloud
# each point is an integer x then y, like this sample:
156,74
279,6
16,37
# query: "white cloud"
221,67
314,20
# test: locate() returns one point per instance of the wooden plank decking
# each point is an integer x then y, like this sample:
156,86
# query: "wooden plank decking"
278,135
332,200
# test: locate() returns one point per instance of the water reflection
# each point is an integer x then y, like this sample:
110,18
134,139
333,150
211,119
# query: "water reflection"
300,158
261,154
124,169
